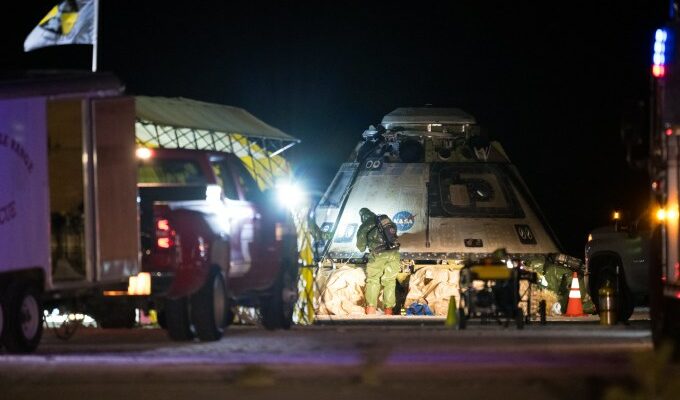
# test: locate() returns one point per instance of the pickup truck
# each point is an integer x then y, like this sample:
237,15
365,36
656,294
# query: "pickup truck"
620,253
211,239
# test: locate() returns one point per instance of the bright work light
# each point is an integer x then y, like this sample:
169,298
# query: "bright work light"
660,214
143,153
290,194
667,214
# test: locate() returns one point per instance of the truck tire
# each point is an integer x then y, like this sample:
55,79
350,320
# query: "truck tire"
209,307
276,309
23,319
177,319
624,297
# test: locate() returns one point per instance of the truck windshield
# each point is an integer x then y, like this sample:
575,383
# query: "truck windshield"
170,171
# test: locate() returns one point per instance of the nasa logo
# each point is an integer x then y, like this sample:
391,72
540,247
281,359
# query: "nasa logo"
404,220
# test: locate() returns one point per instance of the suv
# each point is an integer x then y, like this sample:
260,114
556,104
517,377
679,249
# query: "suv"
211,239
620,253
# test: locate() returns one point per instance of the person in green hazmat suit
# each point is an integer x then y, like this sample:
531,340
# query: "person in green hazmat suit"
383,264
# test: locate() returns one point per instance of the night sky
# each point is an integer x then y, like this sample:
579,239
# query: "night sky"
552,82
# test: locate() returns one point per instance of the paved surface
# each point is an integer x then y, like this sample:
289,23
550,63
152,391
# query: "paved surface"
562,360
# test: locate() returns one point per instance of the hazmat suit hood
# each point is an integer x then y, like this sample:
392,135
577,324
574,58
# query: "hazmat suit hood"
366,214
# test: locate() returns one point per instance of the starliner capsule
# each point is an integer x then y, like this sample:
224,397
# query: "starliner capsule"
454,195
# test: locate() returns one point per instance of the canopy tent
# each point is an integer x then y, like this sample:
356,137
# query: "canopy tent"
190,124
194,114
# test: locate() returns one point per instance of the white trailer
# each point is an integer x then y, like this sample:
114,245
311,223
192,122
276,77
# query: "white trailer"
68,210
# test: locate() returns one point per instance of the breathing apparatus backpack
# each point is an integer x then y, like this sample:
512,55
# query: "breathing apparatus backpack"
388,232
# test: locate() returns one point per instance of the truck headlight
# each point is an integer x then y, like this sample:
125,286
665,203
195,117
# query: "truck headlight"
290,194
144,153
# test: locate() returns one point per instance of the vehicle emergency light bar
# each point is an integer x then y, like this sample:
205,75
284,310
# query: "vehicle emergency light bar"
659,57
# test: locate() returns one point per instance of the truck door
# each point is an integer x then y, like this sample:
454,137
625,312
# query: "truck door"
240,211
93,200
117,239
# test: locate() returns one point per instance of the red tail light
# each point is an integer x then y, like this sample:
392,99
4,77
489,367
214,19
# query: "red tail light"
163,225
165,243
165,235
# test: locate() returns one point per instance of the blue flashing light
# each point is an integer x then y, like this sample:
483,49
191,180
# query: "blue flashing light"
659,57
660,35
659,47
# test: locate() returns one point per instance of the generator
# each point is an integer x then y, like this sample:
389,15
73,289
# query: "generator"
490,291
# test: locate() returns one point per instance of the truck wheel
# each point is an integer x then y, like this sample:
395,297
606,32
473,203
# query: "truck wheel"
624,298
177,319
23,322
209,307
277,309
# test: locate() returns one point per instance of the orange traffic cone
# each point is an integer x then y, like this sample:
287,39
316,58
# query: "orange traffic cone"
574,306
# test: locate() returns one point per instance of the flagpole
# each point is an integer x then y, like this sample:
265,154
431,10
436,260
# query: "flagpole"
95,29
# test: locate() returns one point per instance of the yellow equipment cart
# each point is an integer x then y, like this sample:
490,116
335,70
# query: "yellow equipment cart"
490,290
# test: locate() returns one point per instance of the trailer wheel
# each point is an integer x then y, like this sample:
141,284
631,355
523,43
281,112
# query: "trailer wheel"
23,322
209,307
277,309
177,319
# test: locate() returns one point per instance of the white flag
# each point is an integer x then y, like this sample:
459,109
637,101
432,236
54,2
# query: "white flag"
71,22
